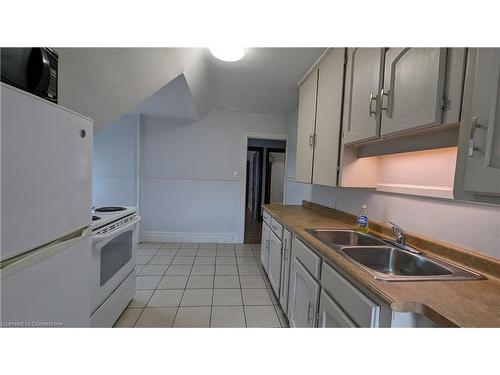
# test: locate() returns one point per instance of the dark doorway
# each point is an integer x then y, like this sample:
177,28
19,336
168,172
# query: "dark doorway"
259,188
255,157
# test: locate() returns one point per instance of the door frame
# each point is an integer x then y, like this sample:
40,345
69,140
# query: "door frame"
243,173
267,197
260,150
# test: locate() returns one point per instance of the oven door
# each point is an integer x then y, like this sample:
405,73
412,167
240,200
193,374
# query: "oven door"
113,259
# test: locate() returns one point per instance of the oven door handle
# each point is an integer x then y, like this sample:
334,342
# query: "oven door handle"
99,238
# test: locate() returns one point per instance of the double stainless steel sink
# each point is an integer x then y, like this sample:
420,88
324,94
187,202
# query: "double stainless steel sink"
387,260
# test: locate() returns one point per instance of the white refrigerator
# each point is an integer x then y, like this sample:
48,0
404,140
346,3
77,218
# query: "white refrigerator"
46,190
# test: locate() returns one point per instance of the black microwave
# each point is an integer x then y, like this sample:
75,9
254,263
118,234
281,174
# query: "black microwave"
31,69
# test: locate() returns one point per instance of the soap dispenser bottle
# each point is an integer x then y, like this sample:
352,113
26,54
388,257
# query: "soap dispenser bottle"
362,220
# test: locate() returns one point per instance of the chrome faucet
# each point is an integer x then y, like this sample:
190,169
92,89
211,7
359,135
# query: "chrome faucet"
400,234
401,238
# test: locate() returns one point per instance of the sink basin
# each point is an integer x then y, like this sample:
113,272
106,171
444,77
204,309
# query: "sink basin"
386,261
394,261
394,264
340,238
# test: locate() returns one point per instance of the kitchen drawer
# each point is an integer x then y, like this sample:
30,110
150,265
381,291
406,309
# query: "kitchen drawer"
363,311
277,228
266,217
307,257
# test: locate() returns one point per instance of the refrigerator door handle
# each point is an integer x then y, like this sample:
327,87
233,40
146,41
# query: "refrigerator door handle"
20,262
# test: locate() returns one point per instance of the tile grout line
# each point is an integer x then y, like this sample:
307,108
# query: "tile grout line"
213,290
185,286
196,254
156,288
241,291
143,308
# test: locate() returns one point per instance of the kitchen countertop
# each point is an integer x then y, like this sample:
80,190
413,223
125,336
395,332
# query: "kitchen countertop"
473,303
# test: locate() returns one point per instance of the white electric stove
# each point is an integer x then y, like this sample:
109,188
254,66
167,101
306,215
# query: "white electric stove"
114,246
105,215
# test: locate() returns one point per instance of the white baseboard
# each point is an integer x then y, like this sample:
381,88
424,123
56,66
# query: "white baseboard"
152,236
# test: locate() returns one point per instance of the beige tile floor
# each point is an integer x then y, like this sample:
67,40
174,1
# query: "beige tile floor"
201,285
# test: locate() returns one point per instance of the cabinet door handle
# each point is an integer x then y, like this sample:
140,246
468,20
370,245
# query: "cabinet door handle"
285,251
370,107
310,140
309,317
382,108
472,138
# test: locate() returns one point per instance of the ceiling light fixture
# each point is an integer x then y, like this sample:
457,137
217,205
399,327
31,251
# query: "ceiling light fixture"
228,53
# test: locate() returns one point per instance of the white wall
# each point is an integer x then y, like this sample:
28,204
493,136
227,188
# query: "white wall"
115,174
188,190
469,225
295,192
277,176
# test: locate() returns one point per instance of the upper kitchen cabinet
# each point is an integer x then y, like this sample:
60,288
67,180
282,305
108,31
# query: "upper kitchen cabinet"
418,106
362,85
328,118
306,125
319,121
401,90
413,93
478,163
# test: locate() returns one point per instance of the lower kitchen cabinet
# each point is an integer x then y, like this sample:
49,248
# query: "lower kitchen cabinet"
304,296
312,293
331,315
358,306
285,269
274,262
264,250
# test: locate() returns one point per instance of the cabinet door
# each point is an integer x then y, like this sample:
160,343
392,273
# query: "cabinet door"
305,130
285,270
331,315
274,264
328,118
264,247
413,92
364,71
304,299
481,124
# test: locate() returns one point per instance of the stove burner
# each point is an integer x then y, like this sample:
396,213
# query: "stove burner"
110,209
95,218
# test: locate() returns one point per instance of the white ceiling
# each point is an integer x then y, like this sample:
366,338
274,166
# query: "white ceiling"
264,81
106,83
172,100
